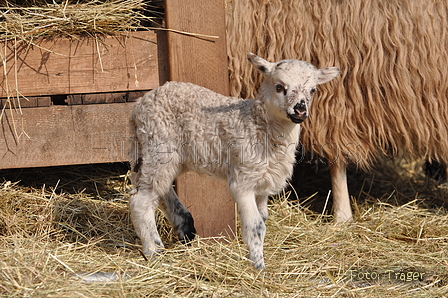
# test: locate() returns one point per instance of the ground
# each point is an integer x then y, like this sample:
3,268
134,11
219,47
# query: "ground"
58,225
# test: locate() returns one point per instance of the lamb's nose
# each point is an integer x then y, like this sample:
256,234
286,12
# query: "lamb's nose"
301,106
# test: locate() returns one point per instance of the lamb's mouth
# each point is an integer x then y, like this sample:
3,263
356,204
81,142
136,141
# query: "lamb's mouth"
298,117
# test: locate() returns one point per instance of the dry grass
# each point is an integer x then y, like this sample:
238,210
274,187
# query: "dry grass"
80,224
71,18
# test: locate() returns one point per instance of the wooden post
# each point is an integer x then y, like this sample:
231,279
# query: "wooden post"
202,61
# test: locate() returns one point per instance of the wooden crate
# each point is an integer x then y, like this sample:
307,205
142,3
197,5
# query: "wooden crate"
56,119
76,96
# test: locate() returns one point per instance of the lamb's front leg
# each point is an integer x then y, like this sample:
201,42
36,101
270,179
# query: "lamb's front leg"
252,223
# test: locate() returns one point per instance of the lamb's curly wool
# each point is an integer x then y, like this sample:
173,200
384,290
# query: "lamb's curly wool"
206,132
181,127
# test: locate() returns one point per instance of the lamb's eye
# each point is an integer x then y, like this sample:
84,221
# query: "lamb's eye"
313,90
278,88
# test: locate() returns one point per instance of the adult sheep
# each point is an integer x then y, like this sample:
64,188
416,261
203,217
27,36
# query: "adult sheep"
392,95
181,127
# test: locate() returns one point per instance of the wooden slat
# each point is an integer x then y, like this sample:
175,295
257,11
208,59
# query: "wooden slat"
134,95
83,65
201,61
43,101
64,135
28,102
97,98
74,99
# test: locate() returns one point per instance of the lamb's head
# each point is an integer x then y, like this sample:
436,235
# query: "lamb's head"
289,84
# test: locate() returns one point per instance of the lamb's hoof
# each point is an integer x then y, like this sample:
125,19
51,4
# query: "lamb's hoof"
342,219
152,253
259,264
186,231
188,236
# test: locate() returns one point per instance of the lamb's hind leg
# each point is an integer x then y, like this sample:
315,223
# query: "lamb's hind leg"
179,216
151,181
252,224
143,204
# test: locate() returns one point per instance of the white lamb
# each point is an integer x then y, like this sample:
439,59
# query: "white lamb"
251,143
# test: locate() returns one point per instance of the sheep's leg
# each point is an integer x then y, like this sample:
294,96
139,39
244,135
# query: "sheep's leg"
152,181
143,204
253,227
341,200
262,204
179,216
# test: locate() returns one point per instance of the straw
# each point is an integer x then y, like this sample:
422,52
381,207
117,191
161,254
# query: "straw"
74,238
71,19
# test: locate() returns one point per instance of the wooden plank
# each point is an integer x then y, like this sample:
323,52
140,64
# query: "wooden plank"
134,95
64,135
28,102
82,65
43,101
74,99
202,61
96,98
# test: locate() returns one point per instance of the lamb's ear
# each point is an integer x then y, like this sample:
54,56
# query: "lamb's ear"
327,74
263,66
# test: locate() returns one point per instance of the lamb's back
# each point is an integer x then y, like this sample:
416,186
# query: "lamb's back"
193,111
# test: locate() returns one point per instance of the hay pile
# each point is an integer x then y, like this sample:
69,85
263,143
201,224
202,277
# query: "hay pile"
78,223
40,18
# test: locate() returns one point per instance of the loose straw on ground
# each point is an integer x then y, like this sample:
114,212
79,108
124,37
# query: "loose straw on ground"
74,239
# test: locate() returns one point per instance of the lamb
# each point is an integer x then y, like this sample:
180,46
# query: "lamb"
251,143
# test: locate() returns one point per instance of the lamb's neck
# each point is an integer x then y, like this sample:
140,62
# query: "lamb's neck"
282,130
